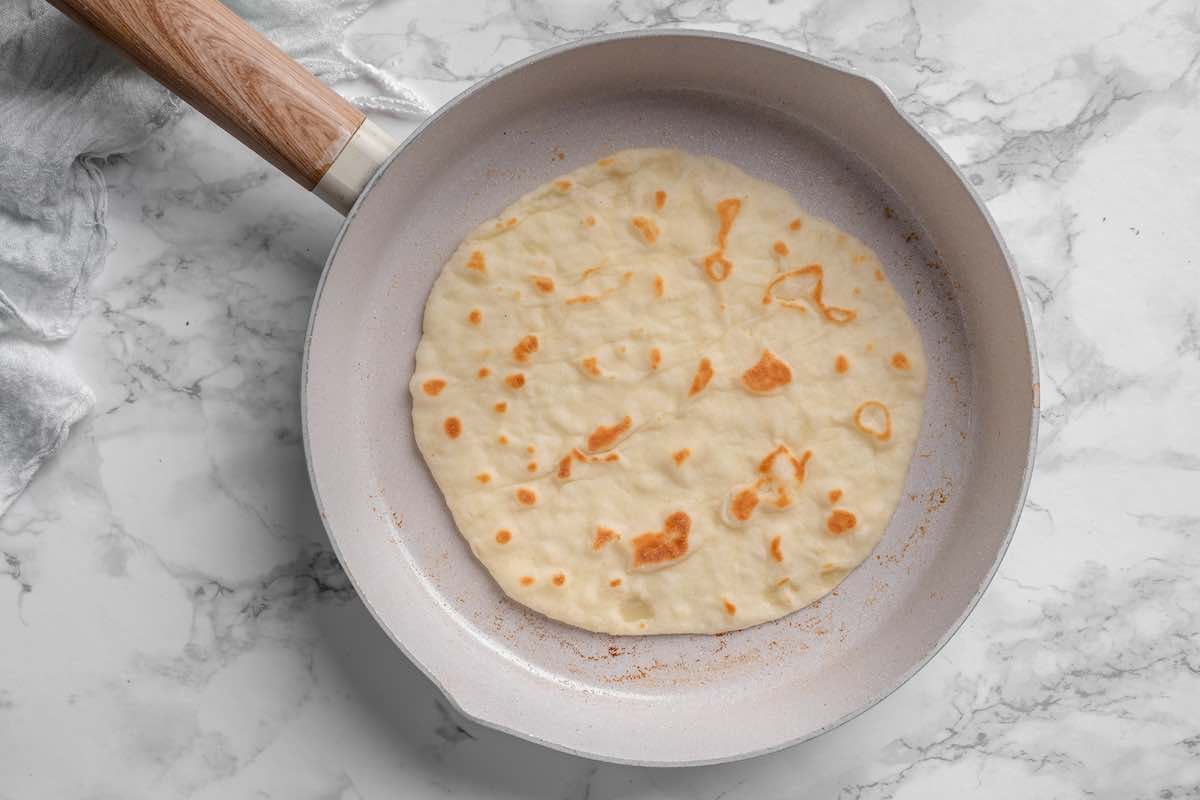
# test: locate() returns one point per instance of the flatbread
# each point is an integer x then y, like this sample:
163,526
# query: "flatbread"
659,397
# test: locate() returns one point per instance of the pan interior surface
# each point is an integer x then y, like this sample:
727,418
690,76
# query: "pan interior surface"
837,143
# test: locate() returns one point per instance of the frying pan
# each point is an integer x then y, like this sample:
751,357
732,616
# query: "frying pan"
833,138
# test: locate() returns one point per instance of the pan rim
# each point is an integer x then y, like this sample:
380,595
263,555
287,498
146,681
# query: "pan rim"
1013,275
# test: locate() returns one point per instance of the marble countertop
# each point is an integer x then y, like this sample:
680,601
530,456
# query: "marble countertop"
183,628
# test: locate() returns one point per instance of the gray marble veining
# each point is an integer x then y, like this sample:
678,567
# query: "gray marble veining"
175,625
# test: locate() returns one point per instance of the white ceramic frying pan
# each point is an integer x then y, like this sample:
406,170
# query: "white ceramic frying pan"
833,138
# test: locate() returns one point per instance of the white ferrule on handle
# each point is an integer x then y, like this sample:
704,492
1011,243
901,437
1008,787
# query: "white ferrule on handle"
354,167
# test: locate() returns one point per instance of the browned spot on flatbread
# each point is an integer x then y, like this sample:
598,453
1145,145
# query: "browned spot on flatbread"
562,185
526,497
796,224
730,608
814,277
900,361
769,374
475,317
777,549
483,477
879,275
581,299
716,266
883,429
660,199
453,427
603,537
525,348
589,221
477,262
780,248
835,495
503,536
559,579
799,465
782,499
564,466
840,522
590,366
605,436
655,357
500,407
704,374
742,506
502,439
841,365
647,228
515,381
526,580
681,456
669,544
531,466
658,285
433,387
605,162
542,283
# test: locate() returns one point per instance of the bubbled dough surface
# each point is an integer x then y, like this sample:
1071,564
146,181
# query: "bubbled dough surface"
605,304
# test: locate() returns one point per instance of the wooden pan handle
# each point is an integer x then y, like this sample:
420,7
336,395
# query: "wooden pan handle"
207,55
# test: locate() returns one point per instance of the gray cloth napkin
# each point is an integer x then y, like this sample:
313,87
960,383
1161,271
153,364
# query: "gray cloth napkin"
40,400
67,101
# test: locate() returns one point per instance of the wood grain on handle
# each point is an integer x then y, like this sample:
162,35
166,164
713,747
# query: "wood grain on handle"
229,72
